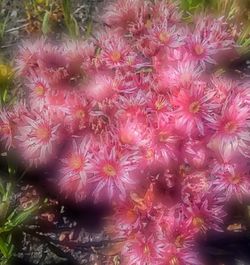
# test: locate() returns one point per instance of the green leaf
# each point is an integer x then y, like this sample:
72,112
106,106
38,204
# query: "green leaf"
4,247
69,19
46,23
22,216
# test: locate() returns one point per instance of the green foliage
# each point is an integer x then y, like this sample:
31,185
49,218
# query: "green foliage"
69,19
6,77
10,219
3,23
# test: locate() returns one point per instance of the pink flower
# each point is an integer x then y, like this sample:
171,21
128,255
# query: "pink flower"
77,112
38,138
102,86
193,108
121,13
196,154
181,75
165,143
81,56
112,173
126,219
195,185
232,181
223,87
216,31
52,62
232,128
38,88
115,51
131,106
173,256
205,215
133,132
27,60
142,250
159,107
166,10
74,168
6,135
166,35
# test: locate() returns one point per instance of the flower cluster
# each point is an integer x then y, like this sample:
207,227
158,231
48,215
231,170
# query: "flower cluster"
139,117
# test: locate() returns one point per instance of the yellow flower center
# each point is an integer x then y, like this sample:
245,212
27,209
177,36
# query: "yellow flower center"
198,222
5,129
80,114
194,107
115,56
75,161
234,179
146,250
39,90
163,137
199,49
148,23
109,170
159,104
43,133
174,261
179,241
164,37
230,127
149,153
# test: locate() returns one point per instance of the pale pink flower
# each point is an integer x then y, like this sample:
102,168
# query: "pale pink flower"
193,108
115,51
121,13
81,56
216,30
103,86
232,181
223,87
6,134
38,88
181,75
166,35
38,138
196,153
74,168
27,59
77,113
166,10
113,173
131,106
159,107
201,50
52,63
231,130
195,185
165,143
133,132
